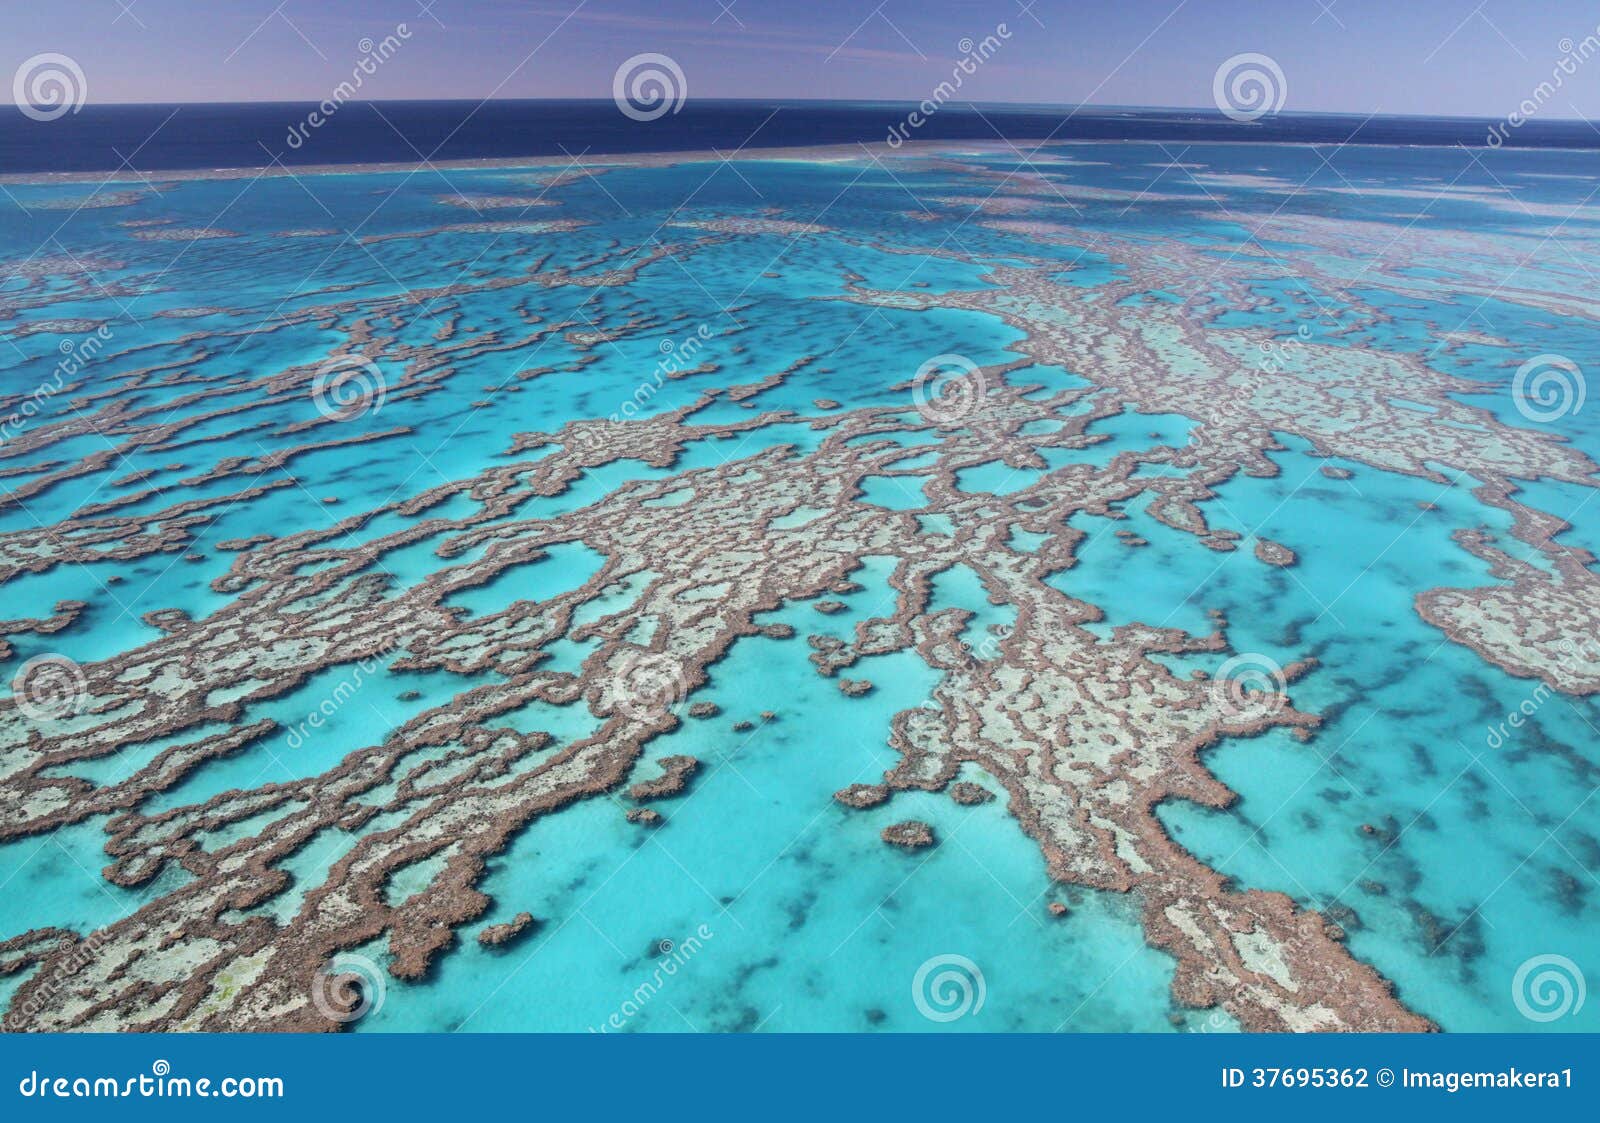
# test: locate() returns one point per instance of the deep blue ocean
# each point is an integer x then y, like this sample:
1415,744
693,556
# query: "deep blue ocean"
173,137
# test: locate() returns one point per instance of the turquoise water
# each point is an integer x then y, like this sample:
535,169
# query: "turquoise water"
804,919
814,924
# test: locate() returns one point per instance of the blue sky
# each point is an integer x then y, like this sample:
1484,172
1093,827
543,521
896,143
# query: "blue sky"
1362,56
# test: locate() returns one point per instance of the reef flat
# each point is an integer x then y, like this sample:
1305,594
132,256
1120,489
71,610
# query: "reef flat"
808,572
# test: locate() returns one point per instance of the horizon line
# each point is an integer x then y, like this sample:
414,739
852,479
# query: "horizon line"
1208,111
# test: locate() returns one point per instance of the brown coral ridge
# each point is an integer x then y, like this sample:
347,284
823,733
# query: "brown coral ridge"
1534,625
862,796
497,935
63,616
675,773
909,835
1269,552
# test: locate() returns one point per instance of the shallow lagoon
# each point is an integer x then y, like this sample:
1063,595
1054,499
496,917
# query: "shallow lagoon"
1487,840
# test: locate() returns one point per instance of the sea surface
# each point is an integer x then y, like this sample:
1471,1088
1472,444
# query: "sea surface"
254,134
800,918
